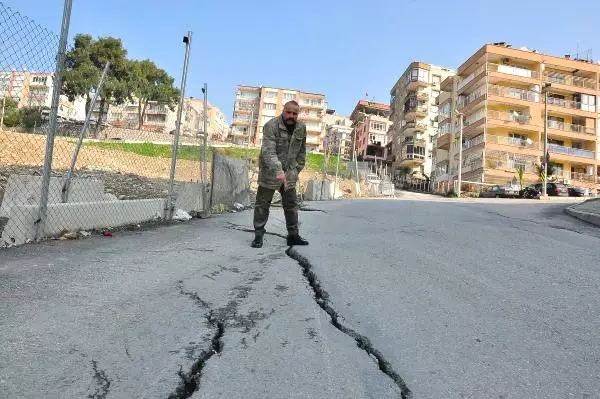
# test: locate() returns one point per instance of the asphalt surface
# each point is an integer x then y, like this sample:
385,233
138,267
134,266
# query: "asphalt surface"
414,297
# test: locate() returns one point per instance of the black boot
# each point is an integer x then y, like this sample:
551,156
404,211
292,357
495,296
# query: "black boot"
257,242
295,239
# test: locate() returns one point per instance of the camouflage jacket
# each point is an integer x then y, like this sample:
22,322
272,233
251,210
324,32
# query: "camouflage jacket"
281,153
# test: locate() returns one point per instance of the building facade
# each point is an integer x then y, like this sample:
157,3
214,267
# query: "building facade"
499,94
338,135
256,105
34,89
370,131
414,114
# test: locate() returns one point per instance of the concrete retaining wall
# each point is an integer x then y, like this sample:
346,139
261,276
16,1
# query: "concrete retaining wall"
230,182
322,190
190,197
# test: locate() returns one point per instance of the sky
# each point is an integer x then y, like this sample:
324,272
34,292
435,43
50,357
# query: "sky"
341,48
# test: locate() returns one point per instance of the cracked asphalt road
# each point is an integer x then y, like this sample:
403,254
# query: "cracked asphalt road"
468,300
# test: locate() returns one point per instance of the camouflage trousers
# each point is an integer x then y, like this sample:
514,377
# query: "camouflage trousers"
264,196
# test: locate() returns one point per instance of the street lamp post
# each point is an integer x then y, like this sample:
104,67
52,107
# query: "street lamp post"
460,147
545,158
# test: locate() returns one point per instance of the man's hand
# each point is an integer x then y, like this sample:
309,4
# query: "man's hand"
281,179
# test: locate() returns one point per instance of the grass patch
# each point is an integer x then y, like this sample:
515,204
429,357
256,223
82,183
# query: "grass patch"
194,153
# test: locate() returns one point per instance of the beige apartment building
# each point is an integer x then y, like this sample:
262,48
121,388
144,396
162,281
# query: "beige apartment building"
414,116
499,92
256,105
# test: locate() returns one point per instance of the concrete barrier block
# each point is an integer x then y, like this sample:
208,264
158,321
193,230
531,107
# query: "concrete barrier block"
327,190
190,197
313,190
26,190
386,188
355,189
21,226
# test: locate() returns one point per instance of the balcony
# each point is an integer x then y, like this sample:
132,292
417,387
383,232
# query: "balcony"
514,93
413,125
574,152
466,100
511,165
509,117
422,95
566,127
559,102
416,82
513,70
474,142
471,165
570,80
418,110
463,83
512,141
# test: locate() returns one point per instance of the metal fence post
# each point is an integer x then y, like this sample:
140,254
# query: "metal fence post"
57,86
205,144
67,183
169,203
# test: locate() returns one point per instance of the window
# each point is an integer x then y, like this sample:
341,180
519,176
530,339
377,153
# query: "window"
269,106
271,94
588,103
418,74
436,80
378,126
289,96
517,139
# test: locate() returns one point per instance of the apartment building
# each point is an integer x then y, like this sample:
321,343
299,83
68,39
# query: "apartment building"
414,116
34,89
256,105
499,94
370,131
338,135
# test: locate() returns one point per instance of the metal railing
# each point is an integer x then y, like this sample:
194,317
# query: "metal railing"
571,127
464,101
474,142
509,165
571,104
576,152
511,141
583,177
570,80
509,117
470,78
513,70
513,92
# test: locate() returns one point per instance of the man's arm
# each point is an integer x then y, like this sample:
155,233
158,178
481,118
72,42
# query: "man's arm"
301,158
269,150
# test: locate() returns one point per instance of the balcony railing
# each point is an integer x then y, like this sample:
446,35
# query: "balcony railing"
510,165
509,117
464,101
513,92
470,78
412,155
513,70
576,152
560,149
472,165
583,177
571,128
571,104
474,142
414,125
416,108
511,141
570,80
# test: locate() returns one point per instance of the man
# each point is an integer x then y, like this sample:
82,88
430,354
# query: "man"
282,157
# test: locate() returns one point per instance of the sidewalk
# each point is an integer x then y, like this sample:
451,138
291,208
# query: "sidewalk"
588,211
182,311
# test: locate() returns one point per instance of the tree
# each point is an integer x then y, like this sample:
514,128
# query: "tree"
151,83
31,117
12,113
542,172
84,64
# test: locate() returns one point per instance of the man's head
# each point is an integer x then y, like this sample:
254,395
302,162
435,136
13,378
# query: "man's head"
290,113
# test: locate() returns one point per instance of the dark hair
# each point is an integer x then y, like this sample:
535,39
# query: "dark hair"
292,102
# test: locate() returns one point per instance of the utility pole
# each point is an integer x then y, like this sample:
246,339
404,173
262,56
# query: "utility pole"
460,147
205,145
545,158
170,203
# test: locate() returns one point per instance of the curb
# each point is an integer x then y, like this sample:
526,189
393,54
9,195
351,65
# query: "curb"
589,217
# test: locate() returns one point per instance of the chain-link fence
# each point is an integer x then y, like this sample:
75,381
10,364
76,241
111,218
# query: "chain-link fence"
113,152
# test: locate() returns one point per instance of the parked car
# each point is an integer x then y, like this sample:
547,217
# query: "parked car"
579,191
552,189
500,191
